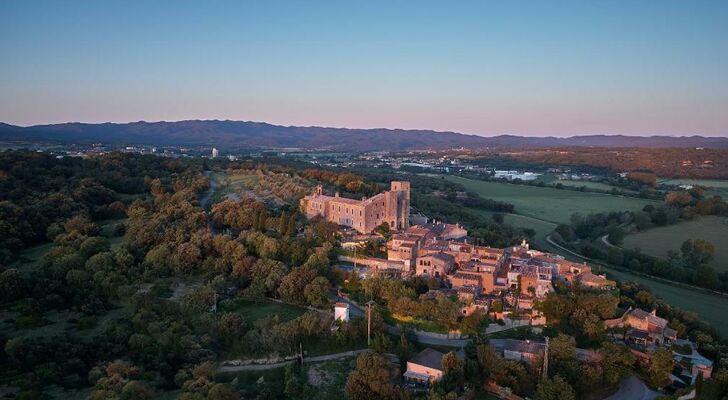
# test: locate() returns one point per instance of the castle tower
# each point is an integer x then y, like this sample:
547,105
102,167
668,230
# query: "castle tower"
402,189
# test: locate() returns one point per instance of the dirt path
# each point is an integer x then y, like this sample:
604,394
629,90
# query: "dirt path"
306,360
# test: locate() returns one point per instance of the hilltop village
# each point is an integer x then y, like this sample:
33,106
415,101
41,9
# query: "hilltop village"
161,277
506,282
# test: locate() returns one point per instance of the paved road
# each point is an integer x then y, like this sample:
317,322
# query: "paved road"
633,388
306,360
606,241
208,194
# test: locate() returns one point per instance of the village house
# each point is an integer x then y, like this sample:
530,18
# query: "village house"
519,350
436,265
644,328
341,312
424,368
390,207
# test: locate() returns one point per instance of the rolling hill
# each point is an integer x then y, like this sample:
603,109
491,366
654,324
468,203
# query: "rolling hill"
244,134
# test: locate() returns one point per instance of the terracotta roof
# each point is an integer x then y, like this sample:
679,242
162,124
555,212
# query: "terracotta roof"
440,256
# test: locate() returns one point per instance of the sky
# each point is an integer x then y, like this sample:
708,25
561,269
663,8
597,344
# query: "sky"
503,67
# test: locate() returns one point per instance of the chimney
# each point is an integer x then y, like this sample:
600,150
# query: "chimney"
337,194
654,312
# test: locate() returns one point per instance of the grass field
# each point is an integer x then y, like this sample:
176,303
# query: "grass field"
253,310
713,187
549,204
550,179
657,241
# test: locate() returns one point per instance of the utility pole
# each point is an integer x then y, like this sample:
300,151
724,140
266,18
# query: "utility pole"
370,303
546,360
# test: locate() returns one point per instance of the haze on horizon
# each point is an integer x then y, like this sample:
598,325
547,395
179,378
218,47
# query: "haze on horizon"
548,68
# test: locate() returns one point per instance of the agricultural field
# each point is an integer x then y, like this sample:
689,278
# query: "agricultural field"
550,204
658,241
253,310
713,186
550,179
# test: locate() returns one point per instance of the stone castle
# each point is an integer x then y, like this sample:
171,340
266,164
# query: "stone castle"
390,207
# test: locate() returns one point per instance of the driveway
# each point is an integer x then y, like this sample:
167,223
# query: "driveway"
633,388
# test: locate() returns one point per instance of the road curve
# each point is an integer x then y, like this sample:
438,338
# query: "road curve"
633,388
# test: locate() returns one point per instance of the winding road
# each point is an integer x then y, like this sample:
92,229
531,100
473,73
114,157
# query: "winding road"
633,388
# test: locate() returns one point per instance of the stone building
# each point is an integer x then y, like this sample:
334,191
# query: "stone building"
435,265
390,207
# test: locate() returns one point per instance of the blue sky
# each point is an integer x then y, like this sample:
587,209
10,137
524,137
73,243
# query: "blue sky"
530,68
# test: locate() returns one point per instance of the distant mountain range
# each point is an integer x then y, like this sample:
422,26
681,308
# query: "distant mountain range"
243,134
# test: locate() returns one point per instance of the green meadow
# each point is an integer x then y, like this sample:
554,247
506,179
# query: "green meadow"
254,309
658,241
550,204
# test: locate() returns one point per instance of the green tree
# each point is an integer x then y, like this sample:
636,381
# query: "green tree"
317,292
616,362
372,379
697,252
12,285
615,235
293,285
659,368
555,388
705,276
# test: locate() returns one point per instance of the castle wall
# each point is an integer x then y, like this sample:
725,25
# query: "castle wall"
364,215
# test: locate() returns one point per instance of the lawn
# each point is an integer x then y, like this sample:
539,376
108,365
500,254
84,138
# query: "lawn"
550,204
254,309
416,323
657,241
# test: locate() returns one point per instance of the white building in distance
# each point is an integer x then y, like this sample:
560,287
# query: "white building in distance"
341,312
214,152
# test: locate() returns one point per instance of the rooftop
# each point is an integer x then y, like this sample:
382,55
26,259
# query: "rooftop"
428,357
